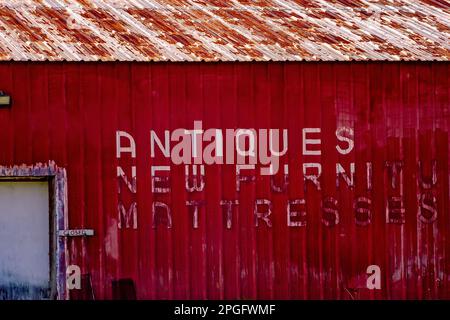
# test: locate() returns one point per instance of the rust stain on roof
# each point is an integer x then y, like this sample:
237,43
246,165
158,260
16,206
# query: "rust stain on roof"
218,30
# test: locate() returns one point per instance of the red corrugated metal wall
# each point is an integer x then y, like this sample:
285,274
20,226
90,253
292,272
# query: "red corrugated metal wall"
70,112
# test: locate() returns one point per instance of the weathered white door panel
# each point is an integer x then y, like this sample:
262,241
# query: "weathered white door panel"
24,240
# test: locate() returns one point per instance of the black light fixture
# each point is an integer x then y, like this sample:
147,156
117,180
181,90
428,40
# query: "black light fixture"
5,100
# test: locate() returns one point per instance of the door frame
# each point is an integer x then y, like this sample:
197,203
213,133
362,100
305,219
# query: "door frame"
57,185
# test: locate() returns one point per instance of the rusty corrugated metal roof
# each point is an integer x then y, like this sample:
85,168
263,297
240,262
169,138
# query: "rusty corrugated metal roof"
237,30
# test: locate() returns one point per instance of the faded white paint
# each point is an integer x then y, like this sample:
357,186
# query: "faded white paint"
24,234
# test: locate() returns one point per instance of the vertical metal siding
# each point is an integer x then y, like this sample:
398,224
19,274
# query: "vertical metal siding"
69,113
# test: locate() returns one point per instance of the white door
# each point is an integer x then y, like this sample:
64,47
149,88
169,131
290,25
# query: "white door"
24,240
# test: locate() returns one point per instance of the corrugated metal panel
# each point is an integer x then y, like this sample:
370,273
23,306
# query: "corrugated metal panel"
238,30
70,113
